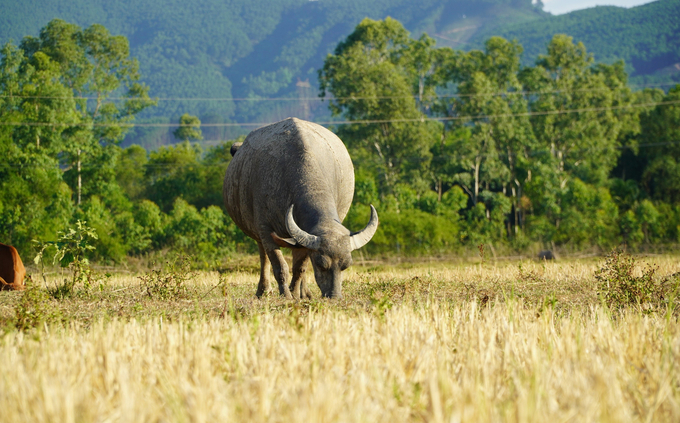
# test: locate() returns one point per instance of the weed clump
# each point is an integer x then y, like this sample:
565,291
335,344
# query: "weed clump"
34,309
169,281
380,303
71,249
618,286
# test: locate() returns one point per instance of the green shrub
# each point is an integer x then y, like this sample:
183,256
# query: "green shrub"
169,281
618,286
588,216
414,232
631,228
109,243
203,233
71,248
34,308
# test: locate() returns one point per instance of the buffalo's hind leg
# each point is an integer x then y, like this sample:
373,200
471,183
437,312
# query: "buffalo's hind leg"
298,285
265,267
279,266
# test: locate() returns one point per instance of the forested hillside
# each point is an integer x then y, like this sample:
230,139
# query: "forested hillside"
646,37
225,60
246,48
263,49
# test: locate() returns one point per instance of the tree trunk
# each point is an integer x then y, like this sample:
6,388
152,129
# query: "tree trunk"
515,207
478,162
37,136
560,156
80,181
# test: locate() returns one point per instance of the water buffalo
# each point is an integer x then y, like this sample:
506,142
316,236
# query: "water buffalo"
546,255
12,269
290,184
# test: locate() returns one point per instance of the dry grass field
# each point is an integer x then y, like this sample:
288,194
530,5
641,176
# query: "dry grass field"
435,342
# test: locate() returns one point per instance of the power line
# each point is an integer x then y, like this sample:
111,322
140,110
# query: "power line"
533,152
354,122
495,94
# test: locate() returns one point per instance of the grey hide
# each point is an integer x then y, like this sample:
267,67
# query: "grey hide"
290,185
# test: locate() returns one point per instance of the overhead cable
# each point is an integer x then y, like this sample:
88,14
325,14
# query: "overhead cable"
493,94
354,122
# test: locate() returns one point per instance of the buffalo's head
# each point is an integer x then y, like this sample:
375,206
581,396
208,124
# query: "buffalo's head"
330,250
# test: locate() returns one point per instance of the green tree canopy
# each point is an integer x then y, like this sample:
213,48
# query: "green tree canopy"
95,66
189,129
374,76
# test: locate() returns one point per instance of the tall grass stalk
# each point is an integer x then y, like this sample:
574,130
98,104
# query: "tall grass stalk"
460,363
435,343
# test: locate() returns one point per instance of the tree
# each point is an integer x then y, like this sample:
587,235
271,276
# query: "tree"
185,171
58,112
189,129
578,110
490,106
373,77
580,114
130,171
35,109
660,136
94,65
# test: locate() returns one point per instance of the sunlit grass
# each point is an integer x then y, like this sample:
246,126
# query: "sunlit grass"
414,342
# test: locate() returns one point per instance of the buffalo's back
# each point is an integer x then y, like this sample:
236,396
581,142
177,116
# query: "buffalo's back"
286,162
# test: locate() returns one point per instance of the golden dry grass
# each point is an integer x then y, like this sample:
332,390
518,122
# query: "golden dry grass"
423,342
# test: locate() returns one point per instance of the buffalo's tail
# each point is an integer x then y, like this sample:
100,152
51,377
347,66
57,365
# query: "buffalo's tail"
235,147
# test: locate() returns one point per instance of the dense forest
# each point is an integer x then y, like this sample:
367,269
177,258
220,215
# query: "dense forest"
454,148
646,37
224,61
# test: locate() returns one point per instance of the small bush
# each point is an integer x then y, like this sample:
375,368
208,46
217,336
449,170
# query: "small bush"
34,308
381,303
71,248
169,282
618,286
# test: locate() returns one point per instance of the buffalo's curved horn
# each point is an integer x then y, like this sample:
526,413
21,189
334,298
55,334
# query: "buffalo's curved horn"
361,238
303,238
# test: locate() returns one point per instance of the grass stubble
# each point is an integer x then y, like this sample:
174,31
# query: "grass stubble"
432,342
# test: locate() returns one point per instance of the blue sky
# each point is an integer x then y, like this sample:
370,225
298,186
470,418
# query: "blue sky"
557,7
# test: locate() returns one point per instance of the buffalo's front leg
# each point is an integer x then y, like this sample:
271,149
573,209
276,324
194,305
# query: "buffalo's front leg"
265,267
298,285
304,290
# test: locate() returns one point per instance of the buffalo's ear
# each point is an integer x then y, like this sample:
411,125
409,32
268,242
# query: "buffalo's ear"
283,242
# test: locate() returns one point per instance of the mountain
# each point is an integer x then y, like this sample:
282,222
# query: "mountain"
224,60
190,52
646,37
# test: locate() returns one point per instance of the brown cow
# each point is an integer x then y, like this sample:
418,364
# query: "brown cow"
12,270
